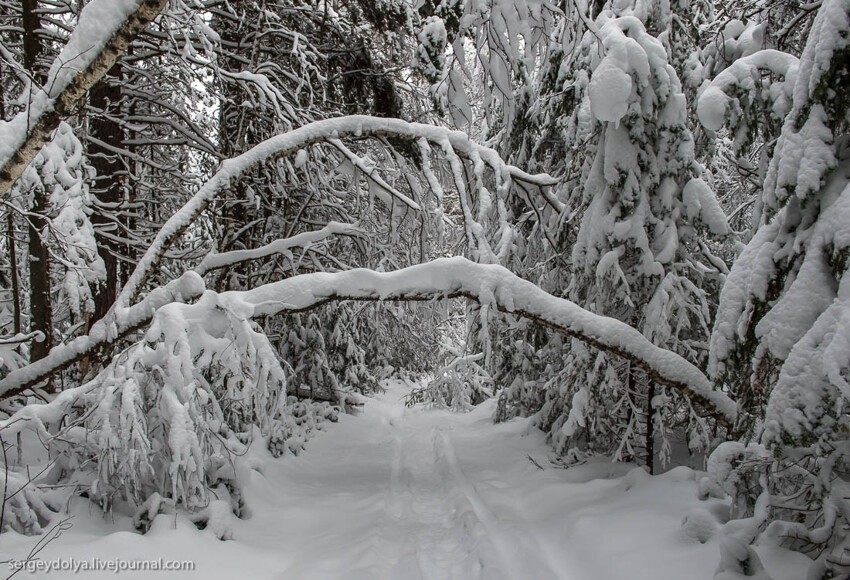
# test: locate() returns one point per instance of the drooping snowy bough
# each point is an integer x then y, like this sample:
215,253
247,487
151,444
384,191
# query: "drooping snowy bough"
451,278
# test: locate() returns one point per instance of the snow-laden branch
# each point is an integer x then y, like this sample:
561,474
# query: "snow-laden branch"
186,288
488,284
303,240
386,191
104,30
289,143
443,278
714,102
103,332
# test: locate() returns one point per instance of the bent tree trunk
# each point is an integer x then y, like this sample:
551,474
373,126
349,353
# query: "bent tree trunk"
499,287
441,279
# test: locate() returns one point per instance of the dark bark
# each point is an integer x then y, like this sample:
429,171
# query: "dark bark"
650,427
32,45
631,391
41,309
13,273
104,97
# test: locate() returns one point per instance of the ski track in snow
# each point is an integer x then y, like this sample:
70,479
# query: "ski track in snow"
406,494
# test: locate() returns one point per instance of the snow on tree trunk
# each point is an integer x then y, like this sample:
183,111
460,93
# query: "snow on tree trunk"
104,31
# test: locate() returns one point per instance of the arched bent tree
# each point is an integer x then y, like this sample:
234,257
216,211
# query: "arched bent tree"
485,283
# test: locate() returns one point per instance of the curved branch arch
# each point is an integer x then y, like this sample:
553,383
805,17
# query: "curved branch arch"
442,278
497,286
328,130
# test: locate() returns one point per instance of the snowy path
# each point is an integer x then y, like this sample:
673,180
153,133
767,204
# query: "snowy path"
399,504
397,493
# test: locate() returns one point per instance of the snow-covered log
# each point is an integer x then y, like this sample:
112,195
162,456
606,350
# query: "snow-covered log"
497,286
105,29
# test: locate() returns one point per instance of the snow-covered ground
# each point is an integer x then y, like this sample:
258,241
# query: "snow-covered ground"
400,493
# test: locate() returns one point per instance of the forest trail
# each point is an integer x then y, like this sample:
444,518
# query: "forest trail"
397,493
396,501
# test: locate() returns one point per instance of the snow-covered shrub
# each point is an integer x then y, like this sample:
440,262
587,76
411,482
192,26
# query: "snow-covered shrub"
522,368
166,418
350,347
347,353
173,407
797,499
298,423
738,561
305,350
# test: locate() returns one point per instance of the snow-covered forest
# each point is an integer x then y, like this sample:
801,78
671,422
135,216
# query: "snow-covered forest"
426,288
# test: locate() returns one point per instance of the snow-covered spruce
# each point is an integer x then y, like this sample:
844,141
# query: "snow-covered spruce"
639,253
780,339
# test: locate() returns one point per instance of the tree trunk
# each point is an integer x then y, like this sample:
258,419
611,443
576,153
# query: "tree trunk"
105,96
13,273
650,427
14,281
41,310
